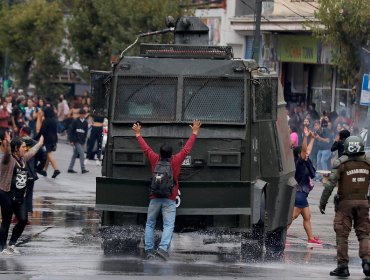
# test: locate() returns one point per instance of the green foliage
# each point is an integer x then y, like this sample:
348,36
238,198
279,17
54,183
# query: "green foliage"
97,28
344,25
32,32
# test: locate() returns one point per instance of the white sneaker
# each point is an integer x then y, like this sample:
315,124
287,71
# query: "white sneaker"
14,250
6,252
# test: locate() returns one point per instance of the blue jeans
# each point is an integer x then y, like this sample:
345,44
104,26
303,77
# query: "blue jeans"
168,209
322,159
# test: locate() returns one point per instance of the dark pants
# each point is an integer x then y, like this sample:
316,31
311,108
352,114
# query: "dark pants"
8,207
40,159
358,212
78,152
29,195
96,135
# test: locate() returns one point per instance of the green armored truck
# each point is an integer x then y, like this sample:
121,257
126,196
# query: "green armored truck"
239,174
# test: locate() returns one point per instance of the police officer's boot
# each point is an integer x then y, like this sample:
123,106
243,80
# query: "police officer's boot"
366,267
341,271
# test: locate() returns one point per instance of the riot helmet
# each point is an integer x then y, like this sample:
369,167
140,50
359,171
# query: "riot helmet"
353,145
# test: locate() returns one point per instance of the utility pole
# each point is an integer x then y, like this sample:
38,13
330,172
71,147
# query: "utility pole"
6,63
257,31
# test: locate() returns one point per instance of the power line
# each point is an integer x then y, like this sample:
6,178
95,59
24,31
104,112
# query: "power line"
250,7
308,3
290,9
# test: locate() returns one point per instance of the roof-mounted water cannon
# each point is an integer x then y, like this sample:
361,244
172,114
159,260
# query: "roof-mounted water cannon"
191,41
170,23
191,31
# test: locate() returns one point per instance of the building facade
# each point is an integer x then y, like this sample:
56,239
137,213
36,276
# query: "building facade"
302,62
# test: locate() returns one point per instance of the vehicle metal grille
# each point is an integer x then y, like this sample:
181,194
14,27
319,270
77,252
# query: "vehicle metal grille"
183,51
145,98
265,99
215,100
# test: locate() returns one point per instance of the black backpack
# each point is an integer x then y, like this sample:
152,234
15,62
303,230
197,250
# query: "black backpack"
162,181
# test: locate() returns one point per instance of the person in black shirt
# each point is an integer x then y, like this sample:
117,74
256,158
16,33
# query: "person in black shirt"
304,174
48,128
78,138
338,144
96,136
32,165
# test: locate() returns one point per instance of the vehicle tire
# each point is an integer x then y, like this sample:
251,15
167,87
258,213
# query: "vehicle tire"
117,240
251,250
275,244
252,245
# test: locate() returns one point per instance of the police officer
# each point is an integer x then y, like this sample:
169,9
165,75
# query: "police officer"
351,172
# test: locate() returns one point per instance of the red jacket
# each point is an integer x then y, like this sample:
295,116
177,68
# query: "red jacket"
176,160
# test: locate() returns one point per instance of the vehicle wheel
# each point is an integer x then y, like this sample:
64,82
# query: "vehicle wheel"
118,240
251,251
275,244
252,246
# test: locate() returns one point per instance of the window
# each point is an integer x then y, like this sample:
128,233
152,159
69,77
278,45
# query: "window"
214,100
264,99
145,98
248,47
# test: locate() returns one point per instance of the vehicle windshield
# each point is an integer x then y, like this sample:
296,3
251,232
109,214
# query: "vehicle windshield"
154,99
213,100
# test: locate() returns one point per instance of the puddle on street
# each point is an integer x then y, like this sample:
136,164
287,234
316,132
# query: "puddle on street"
73,228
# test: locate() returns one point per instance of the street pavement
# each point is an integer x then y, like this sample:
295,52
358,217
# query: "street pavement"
63,242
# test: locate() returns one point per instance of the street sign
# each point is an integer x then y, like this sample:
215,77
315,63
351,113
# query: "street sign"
365,90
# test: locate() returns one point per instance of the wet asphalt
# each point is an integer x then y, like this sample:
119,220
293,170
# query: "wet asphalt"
64,242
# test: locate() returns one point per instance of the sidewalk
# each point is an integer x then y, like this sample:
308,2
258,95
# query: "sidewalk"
62,138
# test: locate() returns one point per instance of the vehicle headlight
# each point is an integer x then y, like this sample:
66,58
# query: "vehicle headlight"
216,158
128,157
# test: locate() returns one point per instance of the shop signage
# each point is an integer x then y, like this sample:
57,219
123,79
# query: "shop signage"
365,90
303,49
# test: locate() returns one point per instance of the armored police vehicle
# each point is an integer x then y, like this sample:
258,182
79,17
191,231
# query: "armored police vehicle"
238,176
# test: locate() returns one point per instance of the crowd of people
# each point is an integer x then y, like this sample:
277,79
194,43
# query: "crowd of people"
330,137
29,128
329,130
326,134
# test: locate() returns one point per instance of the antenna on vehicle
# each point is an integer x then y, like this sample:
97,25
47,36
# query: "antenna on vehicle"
170,23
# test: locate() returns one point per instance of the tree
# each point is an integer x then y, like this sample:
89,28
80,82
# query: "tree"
97,27
345,26
32,32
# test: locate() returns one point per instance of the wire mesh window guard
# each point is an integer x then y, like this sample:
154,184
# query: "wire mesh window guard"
100,90
214,100
145,98
265,99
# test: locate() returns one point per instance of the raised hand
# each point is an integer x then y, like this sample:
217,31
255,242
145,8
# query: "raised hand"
7,136
136,127
306,131
196,126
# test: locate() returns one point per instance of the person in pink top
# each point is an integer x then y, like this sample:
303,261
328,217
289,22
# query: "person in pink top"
165,205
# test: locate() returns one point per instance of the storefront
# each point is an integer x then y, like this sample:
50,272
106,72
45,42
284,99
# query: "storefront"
305,73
